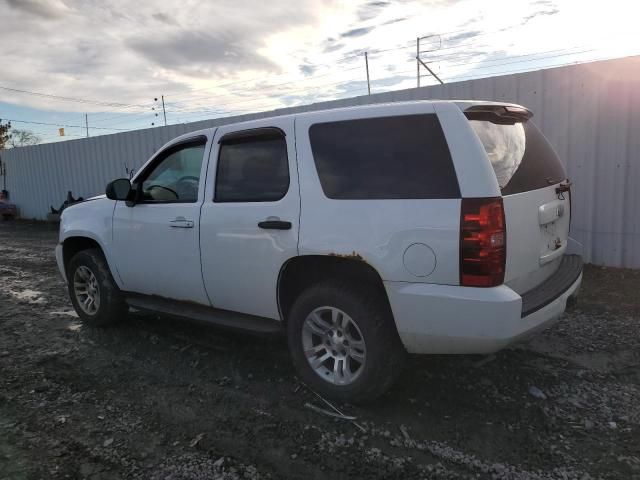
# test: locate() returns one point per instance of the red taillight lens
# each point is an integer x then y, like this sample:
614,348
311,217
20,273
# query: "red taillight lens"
483,242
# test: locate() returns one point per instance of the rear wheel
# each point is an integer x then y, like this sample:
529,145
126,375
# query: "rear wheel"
93,292
343,341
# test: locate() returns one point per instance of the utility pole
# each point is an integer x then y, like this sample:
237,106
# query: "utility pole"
86,123
164,112
366,63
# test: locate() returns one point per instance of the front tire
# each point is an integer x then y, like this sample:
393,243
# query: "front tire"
343,341
93,292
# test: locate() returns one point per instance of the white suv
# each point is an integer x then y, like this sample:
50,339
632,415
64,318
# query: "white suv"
363,233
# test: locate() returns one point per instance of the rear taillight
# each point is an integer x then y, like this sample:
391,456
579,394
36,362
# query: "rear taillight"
483,242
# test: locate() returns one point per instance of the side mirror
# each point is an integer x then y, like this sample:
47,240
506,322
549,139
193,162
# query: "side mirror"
119,189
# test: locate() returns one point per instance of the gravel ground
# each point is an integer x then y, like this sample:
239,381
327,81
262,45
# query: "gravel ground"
154,398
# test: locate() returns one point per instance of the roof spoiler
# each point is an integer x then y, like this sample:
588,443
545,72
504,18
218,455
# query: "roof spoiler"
500,114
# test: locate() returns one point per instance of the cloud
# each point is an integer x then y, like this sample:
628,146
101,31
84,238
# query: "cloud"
164,18
462,36
395,20
391,81
356,32
39,8
200,52
106,50
308,69
528,18
247,55
331,45
371,10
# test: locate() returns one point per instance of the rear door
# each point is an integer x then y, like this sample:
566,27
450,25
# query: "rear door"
250,216
532,181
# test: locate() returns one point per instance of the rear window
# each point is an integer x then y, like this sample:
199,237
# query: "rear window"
400,157
521,156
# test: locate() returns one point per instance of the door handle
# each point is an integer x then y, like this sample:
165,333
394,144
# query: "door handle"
275,225
181,222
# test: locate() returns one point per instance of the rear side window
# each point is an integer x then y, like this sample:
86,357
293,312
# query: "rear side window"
521,156
252,169
399,157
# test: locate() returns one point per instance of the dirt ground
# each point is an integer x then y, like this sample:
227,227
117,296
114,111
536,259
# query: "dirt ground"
155,398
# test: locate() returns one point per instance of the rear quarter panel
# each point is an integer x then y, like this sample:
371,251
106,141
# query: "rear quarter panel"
375,231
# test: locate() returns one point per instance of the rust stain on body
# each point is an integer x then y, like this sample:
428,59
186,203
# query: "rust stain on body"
353,255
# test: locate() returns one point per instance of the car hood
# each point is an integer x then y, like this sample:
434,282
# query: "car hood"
86,204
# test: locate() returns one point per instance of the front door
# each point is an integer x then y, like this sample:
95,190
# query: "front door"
250,216
156,241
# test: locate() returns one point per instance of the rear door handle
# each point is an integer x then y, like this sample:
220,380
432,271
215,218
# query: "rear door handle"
275,225
181,222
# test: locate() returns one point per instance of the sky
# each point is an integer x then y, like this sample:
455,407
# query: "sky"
110,59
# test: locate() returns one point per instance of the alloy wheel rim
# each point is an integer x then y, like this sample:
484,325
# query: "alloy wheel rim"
334,346
87,290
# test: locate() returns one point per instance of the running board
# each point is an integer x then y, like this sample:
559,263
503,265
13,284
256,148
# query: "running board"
202,313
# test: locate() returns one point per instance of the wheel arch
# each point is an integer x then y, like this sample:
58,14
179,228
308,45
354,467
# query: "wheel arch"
300,272
75,243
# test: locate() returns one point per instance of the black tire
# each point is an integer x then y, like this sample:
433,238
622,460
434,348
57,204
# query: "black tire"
112,306
370,310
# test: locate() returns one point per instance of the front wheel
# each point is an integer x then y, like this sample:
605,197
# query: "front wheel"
94,294
343,341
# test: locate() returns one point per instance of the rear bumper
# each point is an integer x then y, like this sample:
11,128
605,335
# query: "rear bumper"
452,319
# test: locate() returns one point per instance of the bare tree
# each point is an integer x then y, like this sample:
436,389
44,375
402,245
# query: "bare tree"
4,134
22,138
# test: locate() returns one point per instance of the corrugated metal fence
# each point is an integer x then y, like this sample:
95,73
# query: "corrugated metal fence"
589,112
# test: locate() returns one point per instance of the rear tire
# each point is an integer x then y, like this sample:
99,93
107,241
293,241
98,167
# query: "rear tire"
333,321
93,292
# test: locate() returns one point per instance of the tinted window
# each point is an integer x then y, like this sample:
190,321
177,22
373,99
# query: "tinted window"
389,157
176,175
521,156
252,169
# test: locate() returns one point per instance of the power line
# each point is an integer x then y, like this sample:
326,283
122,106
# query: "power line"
356,55
70,99
263,106
481,67
275,100
62,125
564,50
219,109
128,115
378,81
504,72
288,92
273,86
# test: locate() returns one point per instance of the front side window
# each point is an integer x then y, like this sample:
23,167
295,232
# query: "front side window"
252,168
176,177
402,157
